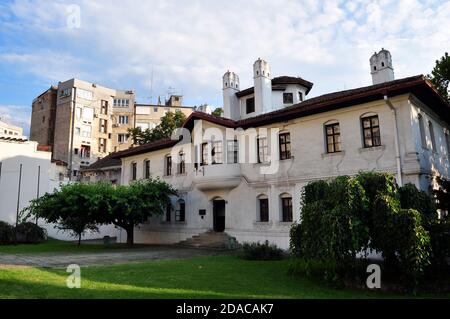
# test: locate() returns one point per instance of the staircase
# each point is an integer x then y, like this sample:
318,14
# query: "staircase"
209,240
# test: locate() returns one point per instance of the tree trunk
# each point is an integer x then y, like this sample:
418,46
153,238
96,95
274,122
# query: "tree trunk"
130,235
79,240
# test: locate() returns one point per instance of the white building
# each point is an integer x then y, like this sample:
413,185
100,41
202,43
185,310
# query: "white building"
26,172
250,187
7,129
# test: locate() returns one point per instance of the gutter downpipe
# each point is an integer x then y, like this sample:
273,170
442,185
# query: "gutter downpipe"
397,143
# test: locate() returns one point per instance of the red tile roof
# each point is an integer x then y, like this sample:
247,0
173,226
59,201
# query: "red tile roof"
417,85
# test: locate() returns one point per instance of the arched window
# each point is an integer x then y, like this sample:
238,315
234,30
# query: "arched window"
371,131
263,208
422,131
180,213
182,163
433,139
286,208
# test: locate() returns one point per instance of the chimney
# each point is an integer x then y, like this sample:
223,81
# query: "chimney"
381,67
230,100
263,86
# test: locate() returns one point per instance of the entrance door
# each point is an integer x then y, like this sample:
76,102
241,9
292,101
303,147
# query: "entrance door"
219,215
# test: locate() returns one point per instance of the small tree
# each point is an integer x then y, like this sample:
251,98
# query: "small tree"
169,123
217,112
76,208
135,204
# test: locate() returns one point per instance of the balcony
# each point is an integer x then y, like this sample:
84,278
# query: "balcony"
218,176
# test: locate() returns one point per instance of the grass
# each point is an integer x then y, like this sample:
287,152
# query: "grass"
58,246
206,277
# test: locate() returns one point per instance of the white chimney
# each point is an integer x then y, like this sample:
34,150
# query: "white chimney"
230,100
381,67
263,86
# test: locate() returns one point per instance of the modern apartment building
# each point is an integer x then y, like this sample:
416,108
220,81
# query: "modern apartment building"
83,122
149,115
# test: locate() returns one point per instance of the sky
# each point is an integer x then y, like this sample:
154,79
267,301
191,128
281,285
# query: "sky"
185,46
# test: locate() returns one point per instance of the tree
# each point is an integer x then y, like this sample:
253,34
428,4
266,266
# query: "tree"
169,123
218,112
76,208
135,204
442,195
440,76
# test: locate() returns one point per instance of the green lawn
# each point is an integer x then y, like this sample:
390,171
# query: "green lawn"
207,277
58,246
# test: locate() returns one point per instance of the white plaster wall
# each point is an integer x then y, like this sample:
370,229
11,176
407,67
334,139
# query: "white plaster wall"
12,154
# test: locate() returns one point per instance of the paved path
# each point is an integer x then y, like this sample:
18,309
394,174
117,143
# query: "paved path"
62,260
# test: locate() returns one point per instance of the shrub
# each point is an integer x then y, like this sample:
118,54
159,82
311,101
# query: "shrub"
258,251
411,197
440,243
348,215
30,233
6,233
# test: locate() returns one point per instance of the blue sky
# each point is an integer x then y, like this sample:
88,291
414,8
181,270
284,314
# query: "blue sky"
190,44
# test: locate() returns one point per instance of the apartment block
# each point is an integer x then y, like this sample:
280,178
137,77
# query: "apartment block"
122,120
9,130
149,115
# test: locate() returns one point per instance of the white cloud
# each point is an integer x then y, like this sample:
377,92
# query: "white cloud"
190,44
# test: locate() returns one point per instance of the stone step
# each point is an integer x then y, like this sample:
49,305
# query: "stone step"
209,240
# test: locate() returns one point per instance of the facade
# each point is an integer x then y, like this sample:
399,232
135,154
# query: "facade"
105,169
148,116
9,130
82,122
43,117
244,173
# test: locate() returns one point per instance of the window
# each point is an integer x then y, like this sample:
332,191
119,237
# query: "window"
447,139
85,151
155,109
286,208
288,98
104,109
78,112
122,138
232,152
204,154
103,126
77,131
86,132
182,164
180,213
102,145
168,165
217,152
147,169
333,137
133,171
285,146
263,155
75,151
43,119
422,131
123,119
433,139
250,105
371,131
88,114
300,96
85,94
263,209
168,212
121,102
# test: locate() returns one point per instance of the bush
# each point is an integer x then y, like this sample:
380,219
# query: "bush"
258,251
348,215
30,233
6,234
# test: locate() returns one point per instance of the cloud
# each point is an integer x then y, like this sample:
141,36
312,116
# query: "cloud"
190,44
